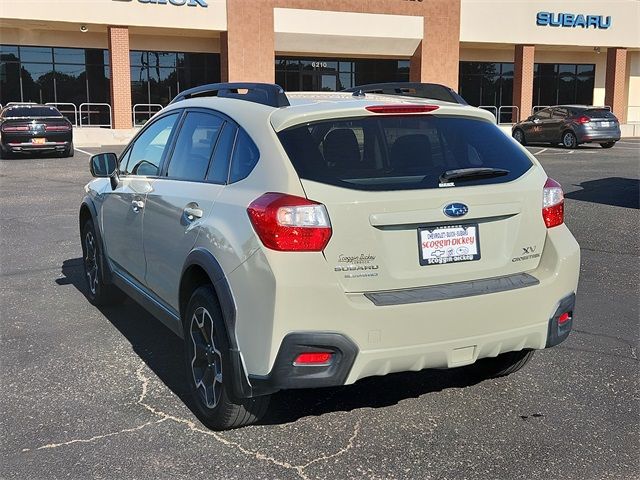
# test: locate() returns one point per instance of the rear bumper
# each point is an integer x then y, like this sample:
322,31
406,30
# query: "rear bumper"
285,374
35,147
600,135
400,337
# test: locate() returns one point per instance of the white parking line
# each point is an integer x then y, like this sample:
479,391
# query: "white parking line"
541,151
82,151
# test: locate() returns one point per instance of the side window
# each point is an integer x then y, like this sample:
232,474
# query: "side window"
560,113
219,171
194,146
245,157
544,114
147,151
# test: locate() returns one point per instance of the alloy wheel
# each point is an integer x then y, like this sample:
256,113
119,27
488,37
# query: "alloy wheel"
518,136
568,140
91,262
206,362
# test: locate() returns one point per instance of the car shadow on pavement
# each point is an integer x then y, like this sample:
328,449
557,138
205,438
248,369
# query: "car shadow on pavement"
154,343
162,351
614,191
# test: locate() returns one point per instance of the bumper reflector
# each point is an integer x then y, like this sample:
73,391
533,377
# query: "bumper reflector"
564,318
313,358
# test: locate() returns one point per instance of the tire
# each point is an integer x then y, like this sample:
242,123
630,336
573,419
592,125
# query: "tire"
518,134
98,292
4,155
607,144
69,152
502,365
569,140
208,364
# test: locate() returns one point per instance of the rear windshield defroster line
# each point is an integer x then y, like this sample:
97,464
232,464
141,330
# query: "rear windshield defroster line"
401,152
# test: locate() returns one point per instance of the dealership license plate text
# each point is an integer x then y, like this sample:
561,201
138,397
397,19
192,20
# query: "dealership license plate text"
449,244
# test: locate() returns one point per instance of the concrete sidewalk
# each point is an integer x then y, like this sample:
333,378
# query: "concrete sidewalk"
86,137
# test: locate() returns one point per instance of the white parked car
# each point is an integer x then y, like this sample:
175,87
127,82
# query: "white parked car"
313,239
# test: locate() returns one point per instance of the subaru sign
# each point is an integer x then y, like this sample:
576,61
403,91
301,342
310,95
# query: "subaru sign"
571,20
178,3
455,210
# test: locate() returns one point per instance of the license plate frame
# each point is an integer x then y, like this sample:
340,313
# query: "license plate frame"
38,141
448,233
605,123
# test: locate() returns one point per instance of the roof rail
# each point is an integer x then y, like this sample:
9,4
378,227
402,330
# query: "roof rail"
434,91
268,94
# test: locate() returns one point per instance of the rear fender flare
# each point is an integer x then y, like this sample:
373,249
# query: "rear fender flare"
208,262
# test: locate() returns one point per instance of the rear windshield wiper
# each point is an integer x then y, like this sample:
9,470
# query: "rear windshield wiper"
472,174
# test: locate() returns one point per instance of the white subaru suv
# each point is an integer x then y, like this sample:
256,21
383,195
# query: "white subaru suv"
313,239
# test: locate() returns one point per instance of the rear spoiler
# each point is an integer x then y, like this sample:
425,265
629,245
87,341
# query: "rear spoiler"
432,91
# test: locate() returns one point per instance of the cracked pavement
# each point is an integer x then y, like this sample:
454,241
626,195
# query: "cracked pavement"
89,393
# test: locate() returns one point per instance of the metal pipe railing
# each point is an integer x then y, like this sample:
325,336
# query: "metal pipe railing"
75,110
147,111
92,104
514,114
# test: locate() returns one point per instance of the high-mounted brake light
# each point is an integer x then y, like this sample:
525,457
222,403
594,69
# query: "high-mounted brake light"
15,128
313,358
290,224
402,108
552,203
584,119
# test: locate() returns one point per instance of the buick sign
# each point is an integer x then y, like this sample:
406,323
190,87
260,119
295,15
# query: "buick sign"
178,3
455,210
571,20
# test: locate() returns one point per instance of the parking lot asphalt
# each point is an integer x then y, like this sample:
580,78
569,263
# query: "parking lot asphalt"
93,393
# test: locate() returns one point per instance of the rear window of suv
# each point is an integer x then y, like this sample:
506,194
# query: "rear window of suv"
400,152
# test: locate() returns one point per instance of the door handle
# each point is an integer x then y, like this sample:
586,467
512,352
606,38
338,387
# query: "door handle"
137,205
193,212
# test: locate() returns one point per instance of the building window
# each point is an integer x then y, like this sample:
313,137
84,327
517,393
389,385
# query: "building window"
56,75
488,84
157,77
562,84
334,74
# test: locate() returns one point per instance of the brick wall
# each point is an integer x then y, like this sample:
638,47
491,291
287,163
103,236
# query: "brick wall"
523,81
249,53
615,94
120,77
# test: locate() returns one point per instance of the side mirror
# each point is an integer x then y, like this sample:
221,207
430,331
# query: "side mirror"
530,119
105,165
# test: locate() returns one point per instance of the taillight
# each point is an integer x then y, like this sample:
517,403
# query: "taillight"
15,128
583,119
552,203
402,108
57,128
290,224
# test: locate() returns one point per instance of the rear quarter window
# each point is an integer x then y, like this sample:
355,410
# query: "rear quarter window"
245,157
400,152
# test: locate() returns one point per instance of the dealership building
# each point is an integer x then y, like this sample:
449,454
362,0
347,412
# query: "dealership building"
114,62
